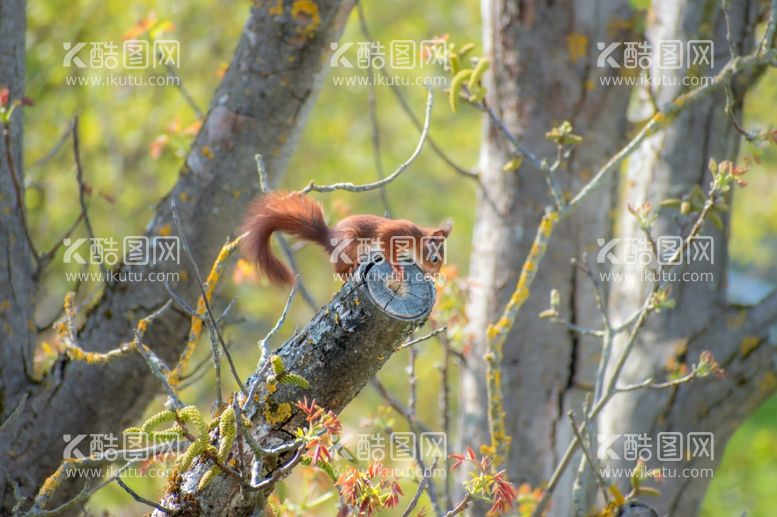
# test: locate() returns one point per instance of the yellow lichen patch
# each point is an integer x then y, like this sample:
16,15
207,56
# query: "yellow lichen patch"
748,344
196,324
143,326
278,414
577,46
165,230
487,450
306,12
548,221
5,305
183,196
52,482
736,321
769,383
521,293
491,332
207,153
276,9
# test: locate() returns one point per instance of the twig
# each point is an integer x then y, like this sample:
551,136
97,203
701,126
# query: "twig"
583,331
763,55
590,459
54,150
391,177
80,179
541,165
139,498
159,369
264,360
771,29
303,290
212,325
415,426
729,110
498,332
445,416
46,257
729,39
277,473
18,409
650,384
417,340
184,92
421,486
412,382
18,190
397,406
178,299
405,105
463,505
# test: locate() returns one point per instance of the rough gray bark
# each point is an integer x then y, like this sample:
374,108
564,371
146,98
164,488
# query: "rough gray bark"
17,286
260,107
536,83
668,165
338,352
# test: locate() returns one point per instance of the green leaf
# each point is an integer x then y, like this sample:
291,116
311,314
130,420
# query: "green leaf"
477,74
456,85
671,203
513,164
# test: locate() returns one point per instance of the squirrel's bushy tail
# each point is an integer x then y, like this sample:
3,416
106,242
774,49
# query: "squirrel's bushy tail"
293,213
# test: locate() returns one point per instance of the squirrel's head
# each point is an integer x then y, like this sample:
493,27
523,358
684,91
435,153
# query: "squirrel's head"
433,247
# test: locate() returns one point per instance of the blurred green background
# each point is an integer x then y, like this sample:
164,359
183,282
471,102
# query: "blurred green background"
133,140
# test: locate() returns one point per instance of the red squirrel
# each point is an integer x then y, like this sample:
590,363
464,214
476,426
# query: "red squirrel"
298,215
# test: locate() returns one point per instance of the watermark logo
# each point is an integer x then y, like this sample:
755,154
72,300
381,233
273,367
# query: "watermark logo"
403,250
665,54
383,57
132,55
402,54
401,446
133,446
667,446
669,250
135,54
138,250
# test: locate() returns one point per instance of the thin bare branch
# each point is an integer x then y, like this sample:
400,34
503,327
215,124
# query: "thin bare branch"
350,187
211,322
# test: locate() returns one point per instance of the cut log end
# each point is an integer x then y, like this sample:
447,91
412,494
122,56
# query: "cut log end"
413,299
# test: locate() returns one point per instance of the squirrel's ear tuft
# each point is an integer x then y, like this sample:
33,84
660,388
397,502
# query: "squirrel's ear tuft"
444,229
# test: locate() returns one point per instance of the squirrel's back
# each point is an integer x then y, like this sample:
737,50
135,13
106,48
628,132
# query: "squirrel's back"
292,213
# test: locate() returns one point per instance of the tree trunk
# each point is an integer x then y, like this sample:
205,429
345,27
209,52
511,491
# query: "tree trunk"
536,83
17,285
260,107
667,165
543,59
